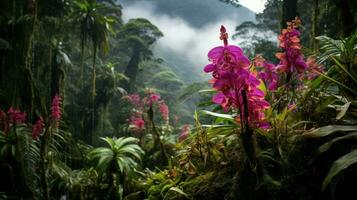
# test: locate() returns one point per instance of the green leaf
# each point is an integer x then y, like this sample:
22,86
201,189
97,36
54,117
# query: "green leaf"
337,82
328,130
342,110
219,115
338,166
207,91
301,122
178,190
120,165
327,146
190,90
120,151
205,103
121,142
120,191
219,126
4,44
344,69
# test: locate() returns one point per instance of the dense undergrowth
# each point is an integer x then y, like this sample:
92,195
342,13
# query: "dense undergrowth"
76,124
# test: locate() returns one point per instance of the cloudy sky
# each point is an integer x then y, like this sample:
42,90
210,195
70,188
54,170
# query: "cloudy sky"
189,34
256,6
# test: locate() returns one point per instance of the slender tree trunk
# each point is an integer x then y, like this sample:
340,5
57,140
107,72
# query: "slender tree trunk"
28,62
248,141
54,74
157,141
315,14
93,94
289,11
251,172
347,18
131,71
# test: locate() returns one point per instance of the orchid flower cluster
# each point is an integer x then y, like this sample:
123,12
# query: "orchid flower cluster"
136,121
267,72
237,86
56,109
16,117
314,69
185,131
291,59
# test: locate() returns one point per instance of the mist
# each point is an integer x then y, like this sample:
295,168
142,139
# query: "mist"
188,42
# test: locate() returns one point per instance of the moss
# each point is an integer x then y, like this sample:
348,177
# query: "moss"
210,185
198,183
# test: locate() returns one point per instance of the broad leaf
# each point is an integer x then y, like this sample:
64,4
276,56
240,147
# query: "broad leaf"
328,130
339,165
178,190
327,146
219,115
342,110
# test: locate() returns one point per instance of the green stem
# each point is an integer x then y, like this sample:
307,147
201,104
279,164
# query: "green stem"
157,141
248,140
44,162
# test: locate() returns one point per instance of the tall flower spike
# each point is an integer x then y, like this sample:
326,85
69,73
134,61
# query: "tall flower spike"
185,131
231,77
134,99
164,110
224,35
56,108
136,124
16,116
152,98
38,128
267,72
291,59
314,68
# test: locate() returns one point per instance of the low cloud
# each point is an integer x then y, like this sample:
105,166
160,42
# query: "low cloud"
181,38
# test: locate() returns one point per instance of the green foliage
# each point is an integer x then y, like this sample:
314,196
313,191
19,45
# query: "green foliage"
79,184
342,55
95,21
347,135
119,158
166,80
339,165
327,130
119,155
159,184
141,32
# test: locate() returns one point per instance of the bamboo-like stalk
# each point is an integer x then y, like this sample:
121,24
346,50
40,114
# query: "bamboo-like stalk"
157,140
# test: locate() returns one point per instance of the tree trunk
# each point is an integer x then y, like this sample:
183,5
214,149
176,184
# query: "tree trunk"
93,95
289,11
56,75
158,145
346,17
314,20
251,172
131,71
